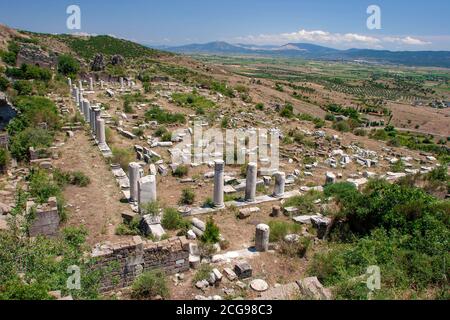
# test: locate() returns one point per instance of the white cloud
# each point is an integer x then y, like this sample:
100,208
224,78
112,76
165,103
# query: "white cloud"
407,41
342,40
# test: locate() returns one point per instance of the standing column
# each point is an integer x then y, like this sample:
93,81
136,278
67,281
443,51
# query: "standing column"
146,190
280,183
101,132
101,84
218,183
97,128
134,176
80,85
97,112
86,107
91,119
250,187
69,82
91,84
80,98
121,84
262,237
77,95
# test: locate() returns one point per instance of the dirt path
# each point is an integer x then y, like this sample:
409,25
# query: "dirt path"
97,206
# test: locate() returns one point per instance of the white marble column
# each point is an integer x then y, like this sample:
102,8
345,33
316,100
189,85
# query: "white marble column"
262,237
91,84
250,186
134,176
280,183
219,183
101,131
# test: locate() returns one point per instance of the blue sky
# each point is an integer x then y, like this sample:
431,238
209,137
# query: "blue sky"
411,25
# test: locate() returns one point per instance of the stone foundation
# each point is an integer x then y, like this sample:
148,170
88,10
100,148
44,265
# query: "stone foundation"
123,262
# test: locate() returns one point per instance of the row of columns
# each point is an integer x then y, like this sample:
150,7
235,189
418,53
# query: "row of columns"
92,114
251,183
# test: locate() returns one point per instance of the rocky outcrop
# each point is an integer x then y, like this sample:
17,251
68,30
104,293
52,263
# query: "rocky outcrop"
117,59
98,64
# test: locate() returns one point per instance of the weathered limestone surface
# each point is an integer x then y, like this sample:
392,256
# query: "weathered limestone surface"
129,259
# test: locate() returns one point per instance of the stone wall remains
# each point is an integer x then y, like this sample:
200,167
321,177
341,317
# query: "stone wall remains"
122,262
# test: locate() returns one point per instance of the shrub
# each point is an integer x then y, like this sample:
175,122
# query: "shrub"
304,203
172,219
202,273
127,107
122,157
163,117
259,106
181,171
341,191
80,179
151,208
4,158
160,131
167,137
23,87
287,111
359,132
129,229
187,197
42,186
209,203
212,232
280,229
150,284
68,66
439,173
4,83
341,126
75,236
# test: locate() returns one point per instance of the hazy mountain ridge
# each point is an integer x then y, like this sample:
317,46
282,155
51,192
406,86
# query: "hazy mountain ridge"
311,51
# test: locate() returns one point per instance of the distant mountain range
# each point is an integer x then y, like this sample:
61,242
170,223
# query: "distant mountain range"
316,52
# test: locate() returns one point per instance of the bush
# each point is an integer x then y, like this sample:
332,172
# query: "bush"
150,284
172,219
187,197
181,171
341,191
68,66
30,137
161,131
202,273
129,229
42,186
4,83
167,137
359,132
287,111
163,117
23,87
122,157
127,107
80,179
151,208
259,106
75,236
304,203
439,173
341,126
4,158
212,232
280,229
